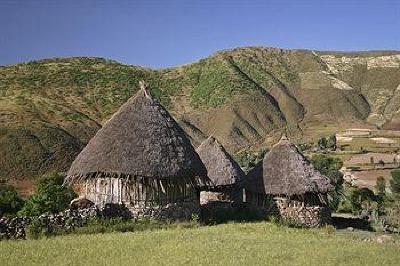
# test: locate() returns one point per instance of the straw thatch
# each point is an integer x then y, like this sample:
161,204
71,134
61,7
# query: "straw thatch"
285,171
221,168
140,141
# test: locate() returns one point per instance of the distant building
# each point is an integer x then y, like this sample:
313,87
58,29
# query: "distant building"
226,177
287,183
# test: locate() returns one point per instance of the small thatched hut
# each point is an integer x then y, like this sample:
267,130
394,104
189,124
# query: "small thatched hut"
140,158
288,180
226,177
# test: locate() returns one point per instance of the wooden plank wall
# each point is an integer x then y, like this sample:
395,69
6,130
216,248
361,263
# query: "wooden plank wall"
120,190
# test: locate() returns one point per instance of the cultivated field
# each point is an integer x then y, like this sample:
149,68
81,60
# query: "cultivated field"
228,244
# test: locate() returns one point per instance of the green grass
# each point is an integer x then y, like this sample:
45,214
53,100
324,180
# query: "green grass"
228,244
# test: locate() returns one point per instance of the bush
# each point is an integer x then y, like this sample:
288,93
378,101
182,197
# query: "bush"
329,167
395,182
36,229
327,143
10,202
50,196
392,213
248,159
380,187
363,199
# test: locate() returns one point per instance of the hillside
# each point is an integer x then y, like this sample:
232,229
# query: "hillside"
49,109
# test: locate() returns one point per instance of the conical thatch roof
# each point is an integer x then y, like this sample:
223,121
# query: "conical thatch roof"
141,140
285,171
221,168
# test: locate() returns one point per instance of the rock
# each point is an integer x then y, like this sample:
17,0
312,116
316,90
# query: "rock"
81,203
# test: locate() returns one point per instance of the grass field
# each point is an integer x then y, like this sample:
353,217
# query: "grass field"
228,244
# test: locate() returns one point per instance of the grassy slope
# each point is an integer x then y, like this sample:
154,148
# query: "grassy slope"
230,244
49,109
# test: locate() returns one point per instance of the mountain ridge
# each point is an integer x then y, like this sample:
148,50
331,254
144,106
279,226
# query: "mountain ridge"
246,97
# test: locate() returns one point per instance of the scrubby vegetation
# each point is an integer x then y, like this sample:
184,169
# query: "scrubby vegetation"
329,167
10,201
50,196
248,159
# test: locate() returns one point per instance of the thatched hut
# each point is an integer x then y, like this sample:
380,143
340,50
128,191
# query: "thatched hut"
288,180
226,177
140,158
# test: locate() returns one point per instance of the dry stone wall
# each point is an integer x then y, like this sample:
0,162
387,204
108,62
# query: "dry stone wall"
178,211
298,213
15,227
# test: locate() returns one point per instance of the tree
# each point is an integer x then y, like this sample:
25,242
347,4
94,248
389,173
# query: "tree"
50,196
380,187
395,182
360,198
248,159
10,202
330,167
327,143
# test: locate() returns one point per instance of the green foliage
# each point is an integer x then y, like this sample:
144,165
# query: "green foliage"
304,146
395,182
50,196
325,143
380,186
99,225
392,212
361,199
248,159
36,229
329,166
239,213
10,202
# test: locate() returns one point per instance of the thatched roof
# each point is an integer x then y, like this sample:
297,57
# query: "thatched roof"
141,140
221,168
285,171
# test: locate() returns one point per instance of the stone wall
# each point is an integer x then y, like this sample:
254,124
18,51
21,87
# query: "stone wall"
300,214
15,228
222,195
178,211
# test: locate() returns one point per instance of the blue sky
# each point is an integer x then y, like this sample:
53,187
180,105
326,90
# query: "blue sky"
168,33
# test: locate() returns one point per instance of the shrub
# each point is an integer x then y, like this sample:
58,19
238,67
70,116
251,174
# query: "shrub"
327,143
380,186
329,167
10,202
248,159
392,213
395,182
362,199
50,196
36,229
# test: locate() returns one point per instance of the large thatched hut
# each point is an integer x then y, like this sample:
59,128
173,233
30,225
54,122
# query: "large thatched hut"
285,179
226,177
140,158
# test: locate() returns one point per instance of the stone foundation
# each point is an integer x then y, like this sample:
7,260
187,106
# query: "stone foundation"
228,196
300,214
178,211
